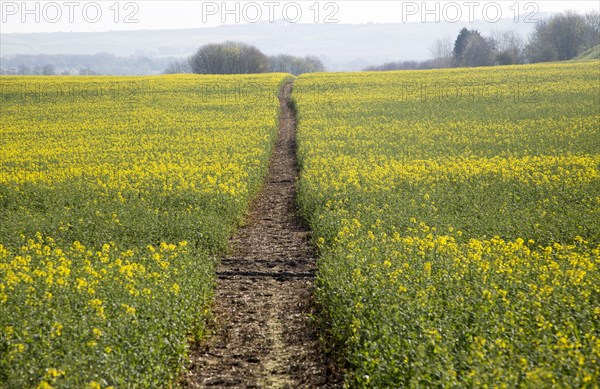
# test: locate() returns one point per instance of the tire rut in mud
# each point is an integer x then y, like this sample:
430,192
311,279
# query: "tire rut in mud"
263,335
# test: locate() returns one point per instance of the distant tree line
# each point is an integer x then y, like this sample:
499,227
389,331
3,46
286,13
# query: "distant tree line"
561,37
67,64
241,58
224,58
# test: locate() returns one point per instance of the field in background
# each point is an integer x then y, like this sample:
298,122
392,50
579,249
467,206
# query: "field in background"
113,191
458,217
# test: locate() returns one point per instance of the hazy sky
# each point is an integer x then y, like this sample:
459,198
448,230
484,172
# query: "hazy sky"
102,15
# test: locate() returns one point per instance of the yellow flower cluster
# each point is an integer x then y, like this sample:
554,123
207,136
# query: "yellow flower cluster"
71,299
386,174
457,213
113,192
165,133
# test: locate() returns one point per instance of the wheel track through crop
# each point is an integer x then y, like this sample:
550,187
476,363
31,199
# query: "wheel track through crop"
263,336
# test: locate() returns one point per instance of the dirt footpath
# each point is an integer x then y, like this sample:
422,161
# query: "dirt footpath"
263,336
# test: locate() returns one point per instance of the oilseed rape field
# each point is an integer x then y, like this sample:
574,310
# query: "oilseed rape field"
114,192
457,215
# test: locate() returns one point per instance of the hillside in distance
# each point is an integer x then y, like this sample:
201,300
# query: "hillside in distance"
342,47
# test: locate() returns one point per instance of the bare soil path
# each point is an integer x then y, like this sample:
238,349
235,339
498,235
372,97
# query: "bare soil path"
263,335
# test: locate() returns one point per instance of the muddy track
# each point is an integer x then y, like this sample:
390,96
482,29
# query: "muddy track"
263,336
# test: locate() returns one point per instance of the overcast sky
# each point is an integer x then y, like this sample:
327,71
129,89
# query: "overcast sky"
102,15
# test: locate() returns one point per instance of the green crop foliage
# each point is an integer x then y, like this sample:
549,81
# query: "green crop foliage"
114,192
457,213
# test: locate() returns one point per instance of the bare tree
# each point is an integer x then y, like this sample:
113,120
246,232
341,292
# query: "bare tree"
591,33
178,67
567,32
510,47
540,47
23,70
558,38
48,70
441,50
314,64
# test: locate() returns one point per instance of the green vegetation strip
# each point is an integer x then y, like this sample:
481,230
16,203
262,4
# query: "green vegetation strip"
457,213
113,194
